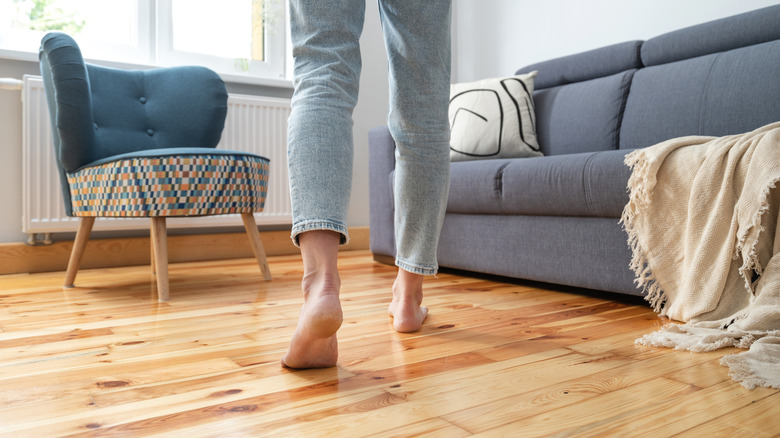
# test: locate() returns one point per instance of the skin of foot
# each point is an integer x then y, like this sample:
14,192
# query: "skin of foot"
406,310
314,343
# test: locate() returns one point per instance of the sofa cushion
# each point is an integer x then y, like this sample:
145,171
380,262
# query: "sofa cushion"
580,67
590,184
493,118
581,117
718,94
754,27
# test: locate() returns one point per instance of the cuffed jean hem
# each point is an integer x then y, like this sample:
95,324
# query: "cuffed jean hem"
416,269
323,225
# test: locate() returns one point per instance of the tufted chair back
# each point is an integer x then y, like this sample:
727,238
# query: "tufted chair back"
101,112
181,107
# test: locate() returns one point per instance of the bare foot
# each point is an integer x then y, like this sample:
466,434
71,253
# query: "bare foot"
314,344
406,309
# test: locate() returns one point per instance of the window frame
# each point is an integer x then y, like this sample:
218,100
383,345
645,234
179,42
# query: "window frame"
155,49
274,48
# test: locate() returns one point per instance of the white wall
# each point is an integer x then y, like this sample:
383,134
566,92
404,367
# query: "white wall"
11,153
497,37
491,38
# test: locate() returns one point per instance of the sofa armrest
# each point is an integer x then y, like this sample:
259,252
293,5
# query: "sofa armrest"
381,162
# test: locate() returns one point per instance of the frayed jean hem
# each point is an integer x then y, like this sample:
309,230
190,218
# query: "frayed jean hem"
319,225
416,269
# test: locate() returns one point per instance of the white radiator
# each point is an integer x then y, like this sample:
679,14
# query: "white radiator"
253,124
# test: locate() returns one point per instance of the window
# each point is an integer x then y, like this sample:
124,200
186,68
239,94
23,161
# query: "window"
240,38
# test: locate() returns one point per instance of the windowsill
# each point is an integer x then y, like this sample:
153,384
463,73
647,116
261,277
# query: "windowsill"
256,80
234,78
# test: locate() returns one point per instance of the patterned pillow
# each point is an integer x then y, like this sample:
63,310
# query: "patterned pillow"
493,118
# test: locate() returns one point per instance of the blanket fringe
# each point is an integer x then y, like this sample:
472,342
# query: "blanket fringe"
759,366
640,187
695,339
742,372
750,262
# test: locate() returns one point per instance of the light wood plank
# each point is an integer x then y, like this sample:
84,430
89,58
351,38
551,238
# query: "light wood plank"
757,419
683,413
567,391
492,359
600,410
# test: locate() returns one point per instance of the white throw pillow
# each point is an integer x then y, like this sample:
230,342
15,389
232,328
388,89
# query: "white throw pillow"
493,118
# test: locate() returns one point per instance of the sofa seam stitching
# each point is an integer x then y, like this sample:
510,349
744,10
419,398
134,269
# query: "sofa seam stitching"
586,186
706,93
498,185
626,90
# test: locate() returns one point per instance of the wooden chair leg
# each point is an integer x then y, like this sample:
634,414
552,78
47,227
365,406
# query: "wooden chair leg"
151,255
257,245
160,249
82,236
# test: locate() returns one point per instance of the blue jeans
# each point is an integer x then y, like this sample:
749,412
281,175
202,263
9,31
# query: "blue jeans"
325,39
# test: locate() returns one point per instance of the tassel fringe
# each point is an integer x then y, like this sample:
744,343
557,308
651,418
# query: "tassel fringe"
640,188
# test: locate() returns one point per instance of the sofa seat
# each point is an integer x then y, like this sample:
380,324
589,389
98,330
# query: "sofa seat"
587,185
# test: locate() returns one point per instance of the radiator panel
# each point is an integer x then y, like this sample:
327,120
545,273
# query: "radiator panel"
253,124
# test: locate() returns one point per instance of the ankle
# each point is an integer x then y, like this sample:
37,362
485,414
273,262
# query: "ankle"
408,287
320,283
319,250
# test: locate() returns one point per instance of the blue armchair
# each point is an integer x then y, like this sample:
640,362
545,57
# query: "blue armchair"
133,143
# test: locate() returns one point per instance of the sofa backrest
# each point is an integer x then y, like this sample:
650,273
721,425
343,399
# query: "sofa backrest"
716,78
579,99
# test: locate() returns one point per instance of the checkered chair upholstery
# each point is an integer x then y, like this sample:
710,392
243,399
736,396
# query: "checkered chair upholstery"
133,143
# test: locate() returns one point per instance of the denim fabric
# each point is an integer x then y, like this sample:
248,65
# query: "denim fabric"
325,39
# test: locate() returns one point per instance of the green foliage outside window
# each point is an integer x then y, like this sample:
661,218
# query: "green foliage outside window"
45,15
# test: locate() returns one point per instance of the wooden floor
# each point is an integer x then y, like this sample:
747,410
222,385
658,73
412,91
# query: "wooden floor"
493,359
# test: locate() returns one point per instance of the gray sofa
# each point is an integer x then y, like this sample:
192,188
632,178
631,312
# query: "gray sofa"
555,218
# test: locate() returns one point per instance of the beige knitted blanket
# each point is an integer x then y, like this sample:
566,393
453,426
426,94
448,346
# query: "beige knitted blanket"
703,226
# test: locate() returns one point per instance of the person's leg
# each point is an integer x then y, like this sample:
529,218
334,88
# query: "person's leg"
417,37
325,39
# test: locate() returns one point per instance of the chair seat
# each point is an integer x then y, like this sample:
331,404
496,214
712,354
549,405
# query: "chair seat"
171,185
